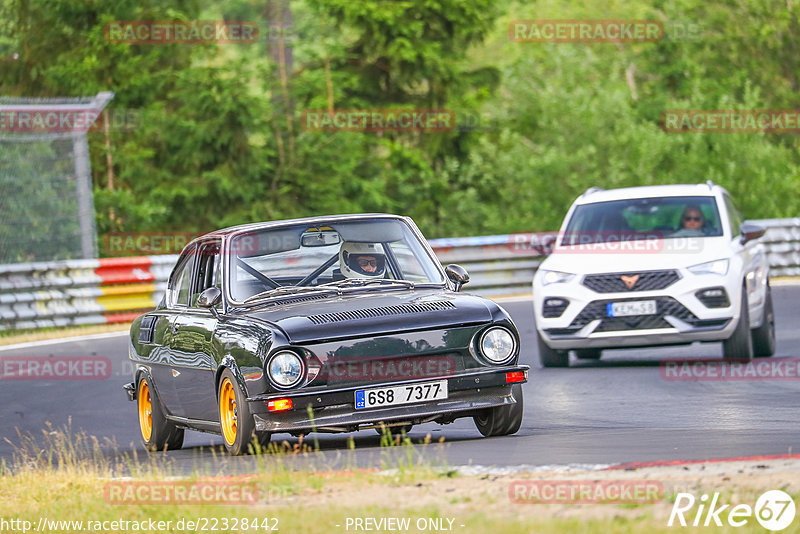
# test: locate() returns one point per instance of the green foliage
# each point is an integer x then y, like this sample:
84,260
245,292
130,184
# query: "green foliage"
219,139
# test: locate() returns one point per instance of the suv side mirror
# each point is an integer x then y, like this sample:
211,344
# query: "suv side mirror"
751,231
209,298
457,274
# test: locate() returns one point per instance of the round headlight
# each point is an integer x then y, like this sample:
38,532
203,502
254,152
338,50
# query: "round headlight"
285,369
497,345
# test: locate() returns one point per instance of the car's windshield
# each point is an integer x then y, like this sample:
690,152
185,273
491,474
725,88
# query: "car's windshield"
643,218
301,257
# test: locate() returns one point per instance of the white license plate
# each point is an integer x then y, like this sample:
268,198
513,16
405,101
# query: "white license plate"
624,309
395,395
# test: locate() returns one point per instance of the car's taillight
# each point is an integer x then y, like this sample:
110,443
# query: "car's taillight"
516,376
279,405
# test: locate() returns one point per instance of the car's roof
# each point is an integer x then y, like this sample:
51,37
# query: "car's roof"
305,220
675,190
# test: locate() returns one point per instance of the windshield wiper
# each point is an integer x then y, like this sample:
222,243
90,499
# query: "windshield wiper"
360,282
286,290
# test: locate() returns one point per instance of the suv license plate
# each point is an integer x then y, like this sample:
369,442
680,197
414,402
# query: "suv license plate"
625,309
407,394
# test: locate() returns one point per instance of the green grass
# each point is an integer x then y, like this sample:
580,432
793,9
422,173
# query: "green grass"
65,475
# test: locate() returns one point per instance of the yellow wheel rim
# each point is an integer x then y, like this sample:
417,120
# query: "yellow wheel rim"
145,411
227,411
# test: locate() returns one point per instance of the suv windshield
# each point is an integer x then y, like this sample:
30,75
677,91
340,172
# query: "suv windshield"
643,218
301,257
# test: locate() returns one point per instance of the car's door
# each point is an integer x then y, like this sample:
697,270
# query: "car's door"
752,257
193,344
163,359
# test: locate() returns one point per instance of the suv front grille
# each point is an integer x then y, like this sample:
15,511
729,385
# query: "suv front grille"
664,306
646,281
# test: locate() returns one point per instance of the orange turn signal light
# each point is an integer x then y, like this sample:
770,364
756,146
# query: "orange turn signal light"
279,405
516,376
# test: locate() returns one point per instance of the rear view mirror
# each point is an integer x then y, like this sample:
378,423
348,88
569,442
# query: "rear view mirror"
751,231
322,237
457,274
209,297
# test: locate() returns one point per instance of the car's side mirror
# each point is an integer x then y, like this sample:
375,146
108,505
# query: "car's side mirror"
751,231
209,298
457,274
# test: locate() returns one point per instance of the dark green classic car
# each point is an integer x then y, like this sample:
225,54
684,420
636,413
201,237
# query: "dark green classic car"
325,324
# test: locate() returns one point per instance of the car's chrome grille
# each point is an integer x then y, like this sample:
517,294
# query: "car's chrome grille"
384,311
639,281
664,306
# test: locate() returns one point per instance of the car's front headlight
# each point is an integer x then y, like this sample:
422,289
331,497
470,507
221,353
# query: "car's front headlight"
712,267
497,344
555,277
285,369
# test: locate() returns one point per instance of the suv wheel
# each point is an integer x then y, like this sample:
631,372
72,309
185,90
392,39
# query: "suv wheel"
588,354
551,357
740,345
764,335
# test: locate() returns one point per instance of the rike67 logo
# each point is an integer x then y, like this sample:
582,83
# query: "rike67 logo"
774,510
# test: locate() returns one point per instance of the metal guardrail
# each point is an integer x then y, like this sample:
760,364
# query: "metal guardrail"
110,290
76,292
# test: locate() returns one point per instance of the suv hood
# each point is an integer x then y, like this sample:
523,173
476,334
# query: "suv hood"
642,255
373,312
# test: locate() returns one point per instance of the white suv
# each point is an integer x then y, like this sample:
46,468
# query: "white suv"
648,266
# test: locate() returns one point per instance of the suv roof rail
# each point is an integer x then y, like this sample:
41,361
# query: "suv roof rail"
710,184
592,190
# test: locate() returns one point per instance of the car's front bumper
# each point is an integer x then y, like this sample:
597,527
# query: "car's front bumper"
333,410
639,338
681,318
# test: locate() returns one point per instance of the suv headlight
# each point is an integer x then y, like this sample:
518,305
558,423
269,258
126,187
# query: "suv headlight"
712,267
555,277
285,369
497,344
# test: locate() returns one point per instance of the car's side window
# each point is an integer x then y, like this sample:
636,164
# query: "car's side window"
734,218
207,271
178,291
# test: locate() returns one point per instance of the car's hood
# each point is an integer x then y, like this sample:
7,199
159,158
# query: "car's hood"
372,312
642,255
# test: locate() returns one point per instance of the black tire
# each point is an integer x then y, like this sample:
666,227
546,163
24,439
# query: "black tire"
764,335
242,431
551,357
502,420
588,354
739,346
395,431
163,434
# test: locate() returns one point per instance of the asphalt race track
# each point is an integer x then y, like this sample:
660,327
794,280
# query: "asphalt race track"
617,410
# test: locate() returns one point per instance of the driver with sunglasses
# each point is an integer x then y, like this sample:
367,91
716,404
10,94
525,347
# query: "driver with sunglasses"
692,222
362,260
